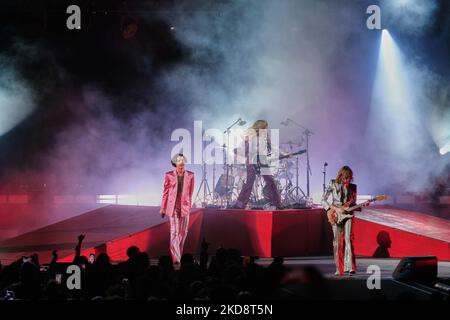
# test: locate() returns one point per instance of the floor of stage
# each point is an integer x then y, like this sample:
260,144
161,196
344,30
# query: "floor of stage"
327,268
354,287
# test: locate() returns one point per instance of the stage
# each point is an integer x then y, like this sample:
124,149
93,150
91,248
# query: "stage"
354,287
380,231
116,114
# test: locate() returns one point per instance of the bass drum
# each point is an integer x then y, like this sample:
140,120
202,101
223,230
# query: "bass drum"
221,186
266,191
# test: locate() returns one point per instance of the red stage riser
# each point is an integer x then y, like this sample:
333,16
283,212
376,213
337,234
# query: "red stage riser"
289,233
154,241
248,231
403,243
300,233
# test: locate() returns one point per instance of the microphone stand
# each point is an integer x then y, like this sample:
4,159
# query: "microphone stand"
214,199
225,161
307,134
324,175
204,182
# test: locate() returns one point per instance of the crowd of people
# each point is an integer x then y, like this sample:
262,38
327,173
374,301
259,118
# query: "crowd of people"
225,276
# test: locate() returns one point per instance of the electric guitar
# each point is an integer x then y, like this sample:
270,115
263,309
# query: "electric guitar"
267,163
336,218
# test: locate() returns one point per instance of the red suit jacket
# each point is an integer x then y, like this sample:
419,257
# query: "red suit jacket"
170,192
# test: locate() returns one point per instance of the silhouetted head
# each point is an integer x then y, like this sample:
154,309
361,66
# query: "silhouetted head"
165,263
102,261
140,263
132,252
82,261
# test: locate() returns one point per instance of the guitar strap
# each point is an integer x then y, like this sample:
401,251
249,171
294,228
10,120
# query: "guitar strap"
342,193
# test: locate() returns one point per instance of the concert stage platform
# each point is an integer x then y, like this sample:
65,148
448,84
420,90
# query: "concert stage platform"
394,232
354,287
288,233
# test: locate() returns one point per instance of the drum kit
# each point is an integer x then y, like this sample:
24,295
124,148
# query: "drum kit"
286,177
286,174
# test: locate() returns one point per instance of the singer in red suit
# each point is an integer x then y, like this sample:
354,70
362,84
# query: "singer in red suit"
177,203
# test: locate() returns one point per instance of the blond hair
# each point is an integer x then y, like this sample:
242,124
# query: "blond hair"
257,125
344,173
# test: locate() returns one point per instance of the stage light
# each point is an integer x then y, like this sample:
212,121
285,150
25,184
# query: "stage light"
390,64
439,125
444,150
395,131
391,115
15,106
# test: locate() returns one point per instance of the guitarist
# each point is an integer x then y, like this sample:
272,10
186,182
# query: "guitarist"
343,194
273,192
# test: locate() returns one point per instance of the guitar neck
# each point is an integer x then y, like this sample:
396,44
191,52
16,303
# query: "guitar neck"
285,156
359,205
291,154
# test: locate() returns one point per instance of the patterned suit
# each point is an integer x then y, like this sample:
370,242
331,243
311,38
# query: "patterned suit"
177,203
342,233
257,147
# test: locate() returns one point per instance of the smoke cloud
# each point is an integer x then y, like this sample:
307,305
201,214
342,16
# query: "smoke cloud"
312,61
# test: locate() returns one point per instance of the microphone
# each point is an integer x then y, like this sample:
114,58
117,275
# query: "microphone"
238,122
285,123
325,164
